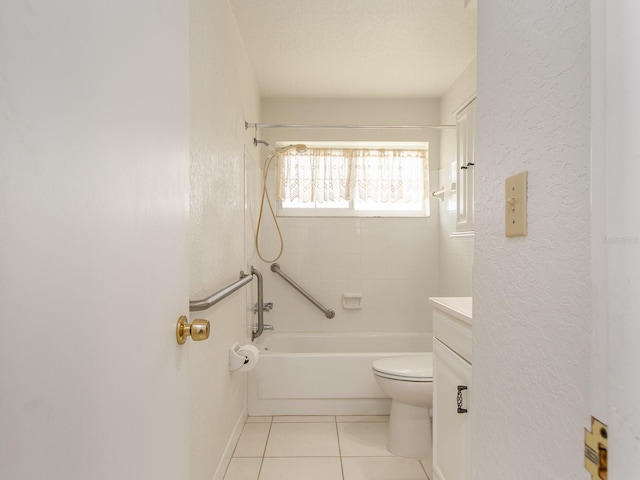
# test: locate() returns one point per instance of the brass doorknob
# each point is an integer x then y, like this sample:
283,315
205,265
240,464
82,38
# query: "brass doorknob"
198,330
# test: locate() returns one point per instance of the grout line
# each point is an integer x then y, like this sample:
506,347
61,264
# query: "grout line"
424,469
339,448
265,449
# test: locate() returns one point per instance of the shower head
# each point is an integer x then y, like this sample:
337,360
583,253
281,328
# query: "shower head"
300,148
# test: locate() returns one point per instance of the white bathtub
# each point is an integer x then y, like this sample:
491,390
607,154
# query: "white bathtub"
325,373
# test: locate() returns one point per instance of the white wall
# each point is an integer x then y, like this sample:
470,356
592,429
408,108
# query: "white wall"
532,295
456,253
393,263
616,231
223,94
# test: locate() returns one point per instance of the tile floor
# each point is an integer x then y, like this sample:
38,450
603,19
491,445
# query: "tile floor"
320,448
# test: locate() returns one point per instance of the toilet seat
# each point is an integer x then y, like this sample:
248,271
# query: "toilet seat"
408,368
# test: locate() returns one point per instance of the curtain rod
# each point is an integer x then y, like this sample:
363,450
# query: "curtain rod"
369,127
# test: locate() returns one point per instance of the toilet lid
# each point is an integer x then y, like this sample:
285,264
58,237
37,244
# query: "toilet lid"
409,367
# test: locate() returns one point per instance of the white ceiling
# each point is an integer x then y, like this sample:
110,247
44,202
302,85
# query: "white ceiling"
357,48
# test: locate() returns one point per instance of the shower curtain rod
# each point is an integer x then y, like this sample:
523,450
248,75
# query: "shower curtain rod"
368,127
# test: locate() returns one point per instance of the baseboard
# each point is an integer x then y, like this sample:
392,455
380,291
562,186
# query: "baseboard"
231,445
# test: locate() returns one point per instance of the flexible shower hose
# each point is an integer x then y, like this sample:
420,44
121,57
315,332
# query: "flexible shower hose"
265,194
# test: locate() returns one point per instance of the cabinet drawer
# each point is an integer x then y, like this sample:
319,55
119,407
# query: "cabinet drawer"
453,332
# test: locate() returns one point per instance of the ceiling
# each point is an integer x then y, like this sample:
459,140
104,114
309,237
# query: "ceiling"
357,48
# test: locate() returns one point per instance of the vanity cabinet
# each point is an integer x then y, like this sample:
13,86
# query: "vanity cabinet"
452,389
465,136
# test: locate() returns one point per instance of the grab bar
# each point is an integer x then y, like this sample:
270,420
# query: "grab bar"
199,305
327,311
260,307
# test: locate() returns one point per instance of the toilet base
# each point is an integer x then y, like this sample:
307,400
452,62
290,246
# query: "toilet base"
409,431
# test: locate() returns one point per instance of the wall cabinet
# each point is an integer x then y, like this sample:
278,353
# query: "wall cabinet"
452,392
465,134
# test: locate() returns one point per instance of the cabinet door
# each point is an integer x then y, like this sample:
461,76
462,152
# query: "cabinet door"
465,122
451,429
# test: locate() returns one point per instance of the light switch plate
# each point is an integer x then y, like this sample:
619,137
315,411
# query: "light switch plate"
515,206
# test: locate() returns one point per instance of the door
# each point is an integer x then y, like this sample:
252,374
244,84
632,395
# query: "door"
451,427
93,252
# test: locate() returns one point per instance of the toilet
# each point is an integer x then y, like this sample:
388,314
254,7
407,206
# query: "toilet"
408,380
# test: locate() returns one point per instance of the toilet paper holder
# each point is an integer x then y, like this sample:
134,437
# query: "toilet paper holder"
236,360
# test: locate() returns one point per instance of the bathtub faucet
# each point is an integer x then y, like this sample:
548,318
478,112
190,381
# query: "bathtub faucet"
266,307
264,327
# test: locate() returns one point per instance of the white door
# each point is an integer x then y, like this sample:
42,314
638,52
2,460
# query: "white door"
615,233
93,239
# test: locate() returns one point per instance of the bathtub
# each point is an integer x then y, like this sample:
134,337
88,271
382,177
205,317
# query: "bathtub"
325,373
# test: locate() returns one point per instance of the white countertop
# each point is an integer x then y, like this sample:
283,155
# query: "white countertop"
459,307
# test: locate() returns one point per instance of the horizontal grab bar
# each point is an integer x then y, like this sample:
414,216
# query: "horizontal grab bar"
210,301
327,311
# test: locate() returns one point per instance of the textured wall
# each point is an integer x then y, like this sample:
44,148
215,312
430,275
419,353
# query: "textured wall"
532,294
456,253
222,95
392,262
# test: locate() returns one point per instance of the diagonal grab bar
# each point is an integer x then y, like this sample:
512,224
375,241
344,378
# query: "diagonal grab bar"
327,311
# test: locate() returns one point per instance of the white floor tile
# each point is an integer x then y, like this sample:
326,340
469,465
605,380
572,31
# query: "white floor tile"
386,468
303,440
299,468
363,439
243,469
362,418
252,440
304,419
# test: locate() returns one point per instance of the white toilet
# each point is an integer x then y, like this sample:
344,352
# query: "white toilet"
408,380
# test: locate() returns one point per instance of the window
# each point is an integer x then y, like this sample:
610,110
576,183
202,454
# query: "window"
354,180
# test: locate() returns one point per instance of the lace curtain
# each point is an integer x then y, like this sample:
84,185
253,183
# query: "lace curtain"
329,174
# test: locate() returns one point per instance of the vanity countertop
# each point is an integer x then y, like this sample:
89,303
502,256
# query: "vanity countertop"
459,307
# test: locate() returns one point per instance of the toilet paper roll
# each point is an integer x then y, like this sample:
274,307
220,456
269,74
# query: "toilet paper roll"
252,353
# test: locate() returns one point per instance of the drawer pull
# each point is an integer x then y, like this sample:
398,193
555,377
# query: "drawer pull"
461,388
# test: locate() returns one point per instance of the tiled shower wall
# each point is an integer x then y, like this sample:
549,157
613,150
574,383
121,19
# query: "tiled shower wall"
392,262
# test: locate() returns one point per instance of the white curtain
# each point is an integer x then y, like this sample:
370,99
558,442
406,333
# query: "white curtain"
368,175
318,175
